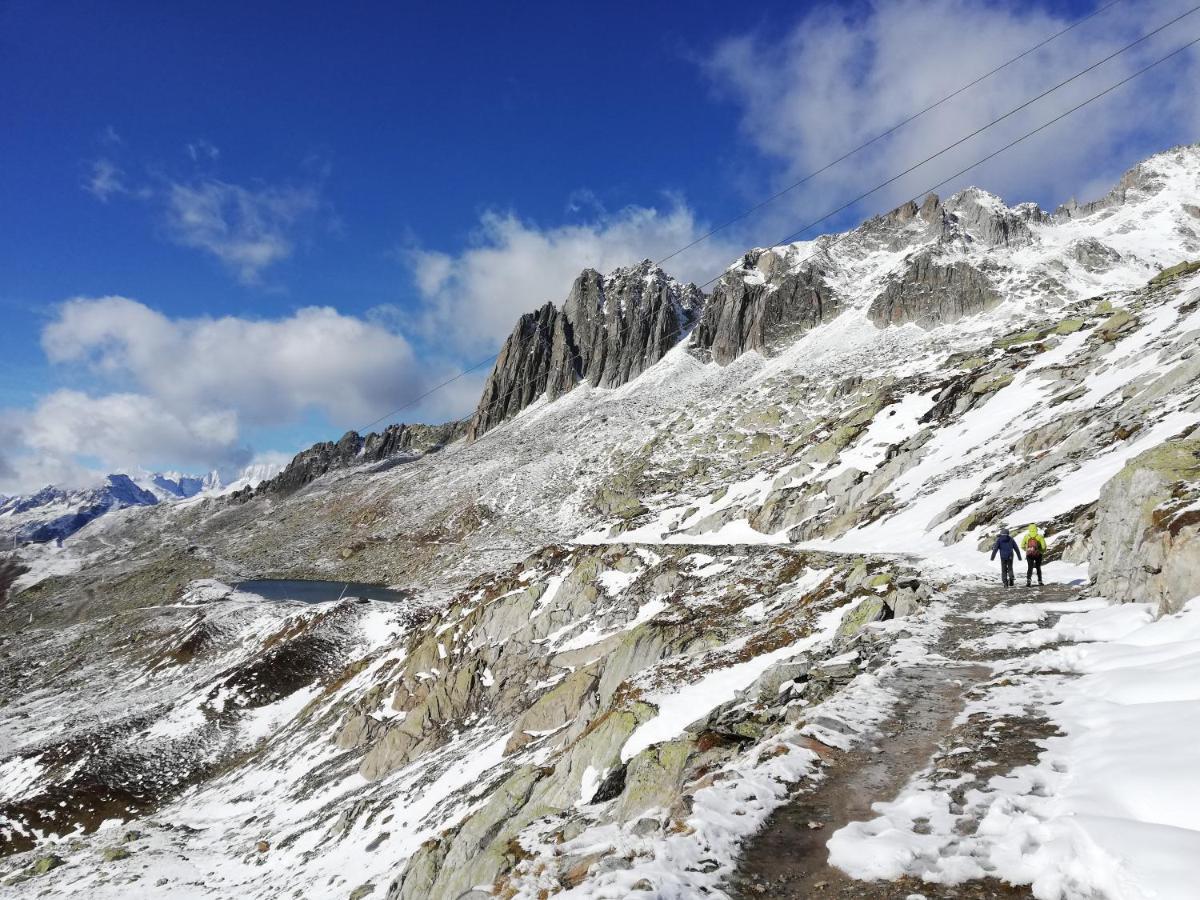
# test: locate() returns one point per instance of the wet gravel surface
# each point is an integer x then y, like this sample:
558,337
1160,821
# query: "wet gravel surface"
788,859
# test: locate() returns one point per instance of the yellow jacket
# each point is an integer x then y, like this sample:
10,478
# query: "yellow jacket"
1032,532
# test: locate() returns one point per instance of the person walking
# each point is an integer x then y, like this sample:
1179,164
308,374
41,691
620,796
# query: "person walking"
1034,543
1006,547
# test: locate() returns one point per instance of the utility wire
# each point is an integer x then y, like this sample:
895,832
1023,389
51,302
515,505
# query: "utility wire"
883,134
844,236
978,131
415,400
895,178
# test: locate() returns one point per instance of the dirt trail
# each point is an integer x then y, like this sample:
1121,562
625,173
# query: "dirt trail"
788,859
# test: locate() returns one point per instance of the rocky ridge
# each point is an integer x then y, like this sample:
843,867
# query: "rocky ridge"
354,449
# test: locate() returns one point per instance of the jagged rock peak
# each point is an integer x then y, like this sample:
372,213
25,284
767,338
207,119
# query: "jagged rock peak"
611,328
931,292
766,300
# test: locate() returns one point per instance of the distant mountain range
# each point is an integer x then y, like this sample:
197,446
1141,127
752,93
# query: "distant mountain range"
55,513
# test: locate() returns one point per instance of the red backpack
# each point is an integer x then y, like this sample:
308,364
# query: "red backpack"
1032,547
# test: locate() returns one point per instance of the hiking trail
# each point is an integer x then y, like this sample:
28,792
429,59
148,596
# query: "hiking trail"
789,859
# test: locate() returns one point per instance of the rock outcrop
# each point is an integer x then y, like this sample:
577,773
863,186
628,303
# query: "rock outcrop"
765,302
610,330
353,449
932,293
1146,541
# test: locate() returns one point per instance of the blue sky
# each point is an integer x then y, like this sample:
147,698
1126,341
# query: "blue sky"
425,172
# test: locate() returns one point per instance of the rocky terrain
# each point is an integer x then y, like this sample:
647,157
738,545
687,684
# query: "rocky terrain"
692,562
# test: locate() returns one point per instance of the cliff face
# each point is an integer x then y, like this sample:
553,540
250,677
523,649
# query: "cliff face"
610,329
763,303
930,293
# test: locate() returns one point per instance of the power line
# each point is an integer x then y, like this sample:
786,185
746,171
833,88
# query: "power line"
894,178
415,400
848,234
978,131
794,185
1009,145
883,134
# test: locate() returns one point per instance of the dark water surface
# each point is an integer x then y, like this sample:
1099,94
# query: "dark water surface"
317,591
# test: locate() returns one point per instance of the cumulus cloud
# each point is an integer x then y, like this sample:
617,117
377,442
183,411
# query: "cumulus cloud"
119,429
185,391
269,371
839,76
471,299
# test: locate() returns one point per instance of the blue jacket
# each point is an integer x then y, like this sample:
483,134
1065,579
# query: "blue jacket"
1006,547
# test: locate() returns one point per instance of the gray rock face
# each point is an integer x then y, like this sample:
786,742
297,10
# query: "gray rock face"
521,372
353,449
762,305
932,294
610,329
984,218
1146,540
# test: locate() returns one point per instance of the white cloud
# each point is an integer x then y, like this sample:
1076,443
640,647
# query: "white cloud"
118,429
269,371
472,299
105,180
246,230
837,78
184,391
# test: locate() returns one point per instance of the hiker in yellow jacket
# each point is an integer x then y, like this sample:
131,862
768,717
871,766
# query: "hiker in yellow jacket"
1033,542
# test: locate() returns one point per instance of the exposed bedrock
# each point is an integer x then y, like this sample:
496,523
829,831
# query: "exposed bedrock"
931,293
610,329
352,449
1146,541
763,305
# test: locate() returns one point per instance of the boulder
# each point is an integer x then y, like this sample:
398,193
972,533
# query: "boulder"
1146,541
653,779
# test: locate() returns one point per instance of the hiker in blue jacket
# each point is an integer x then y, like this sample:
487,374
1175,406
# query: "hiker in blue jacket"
1006,547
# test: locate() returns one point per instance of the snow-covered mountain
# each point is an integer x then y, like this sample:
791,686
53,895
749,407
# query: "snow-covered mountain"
683,609
54,513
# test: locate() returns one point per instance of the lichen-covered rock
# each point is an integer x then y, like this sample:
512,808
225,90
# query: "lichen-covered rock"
557,707
870,609
1146,540
46,863
652,779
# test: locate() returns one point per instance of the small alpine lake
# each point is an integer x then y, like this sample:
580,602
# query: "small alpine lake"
304,591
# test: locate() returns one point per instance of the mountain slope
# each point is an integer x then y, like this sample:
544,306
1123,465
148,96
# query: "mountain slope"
645,613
